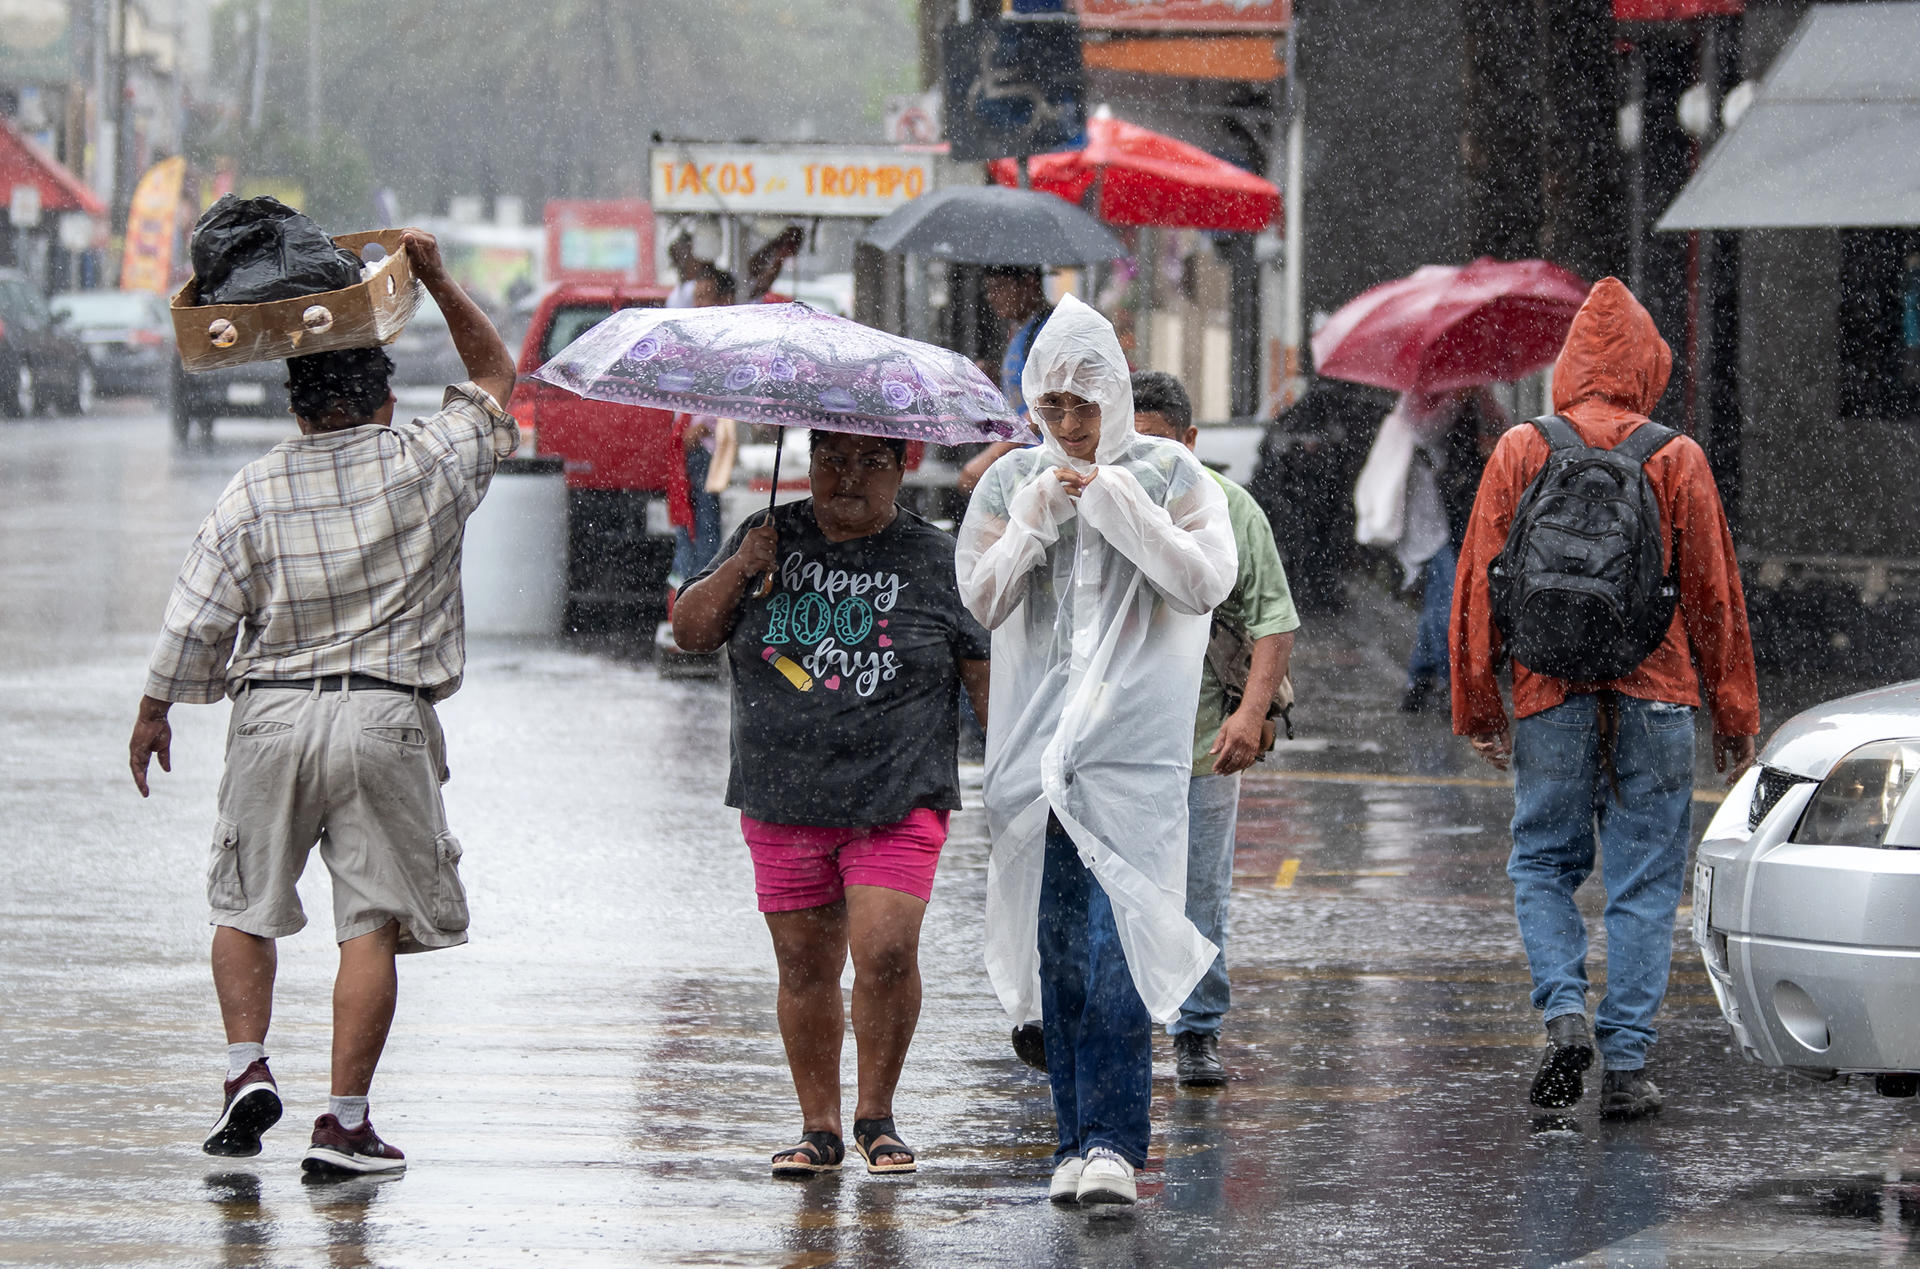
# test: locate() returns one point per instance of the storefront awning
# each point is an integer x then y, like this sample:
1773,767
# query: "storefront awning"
1832,139
24,163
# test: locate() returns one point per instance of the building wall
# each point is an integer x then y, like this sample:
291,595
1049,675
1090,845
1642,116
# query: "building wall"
1385,190
1813,484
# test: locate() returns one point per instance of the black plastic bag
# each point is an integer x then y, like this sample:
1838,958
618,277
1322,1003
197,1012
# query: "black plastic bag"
252,250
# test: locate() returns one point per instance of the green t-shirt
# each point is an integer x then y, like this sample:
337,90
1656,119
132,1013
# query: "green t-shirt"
1260,600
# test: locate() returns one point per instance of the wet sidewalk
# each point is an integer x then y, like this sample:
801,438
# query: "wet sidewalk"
597,1079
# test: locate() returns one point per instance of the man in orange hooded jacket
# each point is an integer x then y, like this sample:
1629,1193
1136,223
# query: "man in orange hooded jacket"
1609,375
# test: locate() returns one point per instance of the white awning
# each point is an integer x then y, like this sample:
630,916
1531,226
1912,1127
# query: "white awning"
1832,139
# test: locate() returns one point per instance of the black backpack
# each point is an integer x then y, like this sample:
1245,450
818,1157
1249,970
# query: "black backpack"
1582,589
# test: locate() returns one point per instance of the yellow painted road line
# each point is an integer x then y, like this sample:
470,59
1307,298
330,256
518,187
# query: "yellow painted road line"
1710,796
1287,871
1366,872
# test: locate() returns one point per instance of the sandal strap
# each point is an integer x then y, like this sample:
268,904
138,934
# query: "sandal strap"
869,1131
825,1147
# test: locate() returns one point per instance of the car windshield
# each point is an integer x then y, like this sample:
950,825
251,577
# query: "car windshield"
569,323
106,308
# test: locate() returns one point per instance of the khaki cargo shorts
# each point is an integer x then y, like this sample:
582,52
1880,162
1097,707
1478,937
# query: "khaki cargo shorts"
357,773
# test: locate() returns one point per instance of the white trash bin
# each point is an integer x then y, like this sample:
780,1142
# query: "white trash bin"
514,564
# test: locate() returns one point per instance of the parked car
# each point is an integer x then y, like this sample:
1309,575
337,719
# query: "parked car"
257,389
128,336
424,352
1806,894
43,365
618,460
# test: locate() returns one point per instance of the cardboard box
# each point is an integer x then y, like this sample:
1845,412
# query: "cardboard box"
371,311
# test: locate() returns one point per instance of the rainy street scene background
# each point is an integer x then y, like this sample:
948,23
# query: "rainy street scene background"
965,632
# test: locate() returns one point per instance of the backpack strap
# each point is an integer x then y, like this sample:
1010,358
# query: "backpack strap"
1557,432
1644,442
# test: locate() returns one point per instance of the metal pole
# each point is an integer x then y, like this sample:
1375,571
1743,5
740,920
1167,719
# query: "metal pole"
1637,172
263,15
104,165
313,72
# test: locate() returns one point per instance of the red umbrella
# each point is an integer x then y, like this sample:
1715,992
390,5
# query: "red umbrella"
1145,178
1448,326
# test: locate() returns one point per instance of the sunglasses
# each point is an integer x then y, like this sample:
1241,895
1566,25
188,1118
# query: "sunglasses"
1086,412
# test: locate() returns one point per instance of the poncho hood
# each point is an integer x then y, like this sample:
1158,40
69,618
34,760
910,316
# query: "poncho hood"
1077,351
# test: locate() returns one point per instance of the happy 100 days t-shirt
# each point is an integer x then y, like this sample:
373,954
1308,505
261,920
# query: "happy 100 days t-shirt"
845,678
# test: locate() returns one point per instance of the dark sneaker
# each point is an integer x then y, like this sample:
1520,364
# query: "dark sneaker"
252,1106
1628,1095
337,1151
1197,1060
1030,1045
1557,1085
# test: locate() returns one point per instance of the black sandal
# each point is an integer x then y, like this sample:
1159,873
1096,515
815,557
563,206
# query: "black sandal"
819,1151
866,1139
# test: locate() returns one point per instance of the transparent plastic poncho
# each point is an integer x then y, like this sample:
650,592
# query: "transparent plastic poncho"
1099,611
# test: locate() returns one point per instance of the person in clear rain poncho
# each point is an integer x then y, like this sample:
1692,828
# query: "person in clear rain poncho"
1094,557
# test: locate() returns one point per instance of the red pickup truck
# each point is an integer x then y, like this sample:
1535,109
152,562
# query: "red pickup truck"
618,459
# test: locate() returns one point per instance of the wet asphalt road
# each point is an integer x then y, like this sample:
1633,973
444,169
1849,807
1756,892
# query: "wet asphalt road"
597,1079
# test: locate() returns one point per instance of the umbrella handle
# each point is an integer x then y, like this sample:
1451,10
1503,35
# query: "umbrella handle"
779,443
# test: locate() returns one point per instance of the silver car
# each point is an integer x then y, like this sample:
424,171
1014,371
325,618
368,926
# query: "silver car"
1807,894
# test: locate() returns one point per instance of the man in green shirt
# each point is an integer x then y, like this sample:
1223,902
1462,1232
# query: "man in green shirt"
1224,744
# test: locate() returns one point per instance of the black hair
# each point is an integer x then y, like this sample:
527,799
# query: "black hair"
351,380
1157,392
724,286
893,443
1015,272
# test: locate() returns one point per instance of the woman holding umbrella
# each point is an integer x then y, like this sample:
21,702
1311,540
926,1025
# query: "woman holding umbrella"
845,689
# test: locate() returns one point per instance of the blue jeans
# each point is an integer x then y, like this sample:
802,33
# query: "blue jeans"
1561,802
1099,1037
1213,806
1429,659
692,550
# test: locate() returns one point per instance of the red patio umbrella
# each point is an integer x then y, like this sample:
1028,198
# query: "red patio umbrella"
1450,326
1140,177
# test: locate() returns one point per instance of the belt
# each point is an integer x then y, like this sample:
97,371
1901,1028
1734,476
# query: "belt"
335,683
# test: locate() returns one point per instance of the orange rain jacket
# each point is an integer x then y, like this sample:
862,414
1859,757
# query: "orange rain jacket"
1611,371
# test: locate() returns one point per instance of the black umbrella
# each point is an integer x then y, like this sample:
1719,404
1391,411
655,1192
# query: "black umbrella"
989,224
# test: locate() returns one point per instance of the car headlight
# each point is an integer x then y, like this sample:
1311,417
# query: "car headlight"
1855,803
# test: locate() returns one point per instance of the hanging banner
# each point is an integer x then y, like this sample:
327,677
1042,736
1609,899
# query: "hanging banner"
1270,16
152,219
1676,10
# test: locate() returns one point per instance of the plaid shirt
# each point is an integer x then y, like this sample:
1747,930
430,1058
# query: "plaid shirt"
336,553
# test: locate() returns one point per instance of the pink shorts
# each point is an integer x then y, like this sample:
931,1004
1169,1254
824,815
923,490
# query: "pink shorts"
799,866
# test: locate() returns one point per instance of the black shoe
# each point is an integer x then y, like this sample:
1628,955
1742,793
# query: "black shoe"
1197,1059
1628,1095
1030,1046
1557,1085
252,1106
1419,697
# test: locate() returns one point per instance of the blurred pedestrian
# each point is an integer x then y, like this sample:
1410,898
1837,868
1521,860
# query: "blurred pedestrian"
698,437
845,686
335,558
1603,748
1017,294
1094,557
1414,495
1232,729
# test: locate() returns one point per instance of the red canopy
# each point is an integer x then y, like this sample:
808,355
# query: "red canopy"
1450,326
1145,178
24,163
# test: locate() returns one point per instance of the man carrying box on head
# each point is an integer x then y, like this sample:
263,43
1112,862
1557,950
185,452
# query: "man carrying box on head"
335,559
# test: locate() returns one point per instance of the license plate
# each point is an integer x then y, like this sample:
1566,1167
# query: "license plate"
1702,902
246,394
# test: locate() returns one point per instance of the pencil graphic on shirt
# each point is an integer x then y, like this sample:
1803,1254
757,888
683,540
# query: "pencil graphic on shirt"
795,675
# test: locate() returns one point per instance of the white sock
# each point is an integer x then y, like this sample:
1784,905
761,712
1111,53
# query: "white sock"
350,1111
241,1056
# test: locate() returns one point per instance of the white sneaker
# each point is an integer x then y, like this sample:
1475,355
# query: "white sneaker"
1065,1187
1107,1178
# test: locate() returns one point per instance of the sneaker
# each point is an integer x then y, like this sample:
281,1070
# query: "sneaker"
1107,1178
1065,1186
1420,696
1557,1085
336,1150
1197,1060
252,1106
1030,1045
1629,1095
